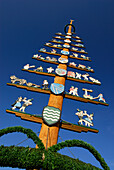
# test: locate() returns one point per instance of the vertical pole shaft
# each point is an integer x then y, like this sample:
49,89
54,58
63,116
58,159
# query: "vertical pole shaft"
49,135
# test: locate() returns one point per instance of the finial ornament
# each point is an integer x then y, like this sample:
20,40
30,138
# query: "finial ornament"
71,21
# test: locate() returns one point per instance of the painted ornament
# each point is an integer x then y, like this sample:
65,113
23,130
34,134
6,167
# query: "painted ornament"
50,70
60,72
67,41
65,52
67,36
57,88
66,46
63,60
51,115
26,103
87,120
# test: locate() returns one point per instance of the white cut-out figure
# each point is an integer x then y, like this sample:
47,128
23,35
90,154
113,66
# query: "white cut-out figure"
25,104
50,69
83,56
17,103
49,44
72,64
86,94
45,84
74,91
75,49
78,75
81,66
87,120
40,69
85,76
27,66
82,50
100,96
75,55
43,49
94,80
53,51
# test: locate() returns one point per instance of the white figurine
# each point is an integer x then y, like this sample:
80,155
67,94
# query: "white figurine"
53,51
45,84
75,49
83,56
75,55
55,45
81,66
40,69
17,103
27,66
78,75
49,44
86,94
48,58
87,120
72,64
26,103
50,69
94,80
82,50
100,96
43,49
74,91
85,76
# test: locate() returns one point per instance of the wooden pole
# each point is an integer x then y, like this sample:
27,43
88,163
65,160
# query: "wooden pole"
49,135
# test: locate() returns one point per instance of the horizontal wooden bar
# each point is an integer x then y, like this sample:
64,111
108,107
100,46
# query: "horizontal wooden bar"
68,78
81,69
63,54
47,61
34,89
41,73
67,35
69,96
64,125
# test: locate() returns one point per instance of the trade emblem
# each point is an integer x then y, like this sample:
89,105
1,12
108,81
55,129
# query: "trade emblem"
51,115
67,41
65,52
60,72
63,60
67,36
66,46
57,88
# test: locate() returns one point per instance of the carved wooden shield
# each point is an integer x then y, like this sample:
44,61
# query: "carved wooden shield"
63,60
51,115
65,52
60,72
66,46
57,88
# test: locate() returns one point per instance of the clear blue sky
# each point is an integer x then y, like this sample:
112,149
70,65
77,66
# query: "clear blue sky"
25,25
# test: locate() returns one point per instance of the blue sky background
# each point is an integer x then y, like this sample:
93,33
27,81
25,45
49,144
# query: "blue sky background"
25,26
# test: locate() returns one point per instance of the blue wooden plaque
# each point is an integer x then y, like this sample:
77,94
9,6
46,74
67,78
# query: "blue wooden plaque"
65,52
57,88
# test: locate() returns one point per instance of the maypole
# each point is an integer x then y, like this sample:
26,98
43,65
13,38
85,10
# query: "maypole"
71,47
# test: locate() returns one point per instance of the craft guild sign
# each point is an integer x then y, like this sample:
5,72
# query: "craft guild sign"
63,60
51,115
65,52
57,88
60,72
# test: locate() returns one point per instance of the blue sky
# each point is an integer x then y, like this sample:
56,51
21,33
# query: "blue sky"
25,26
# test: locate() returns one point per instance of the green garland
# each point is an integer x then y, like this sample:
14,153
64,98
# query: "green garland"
30,158
28,132
80,143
